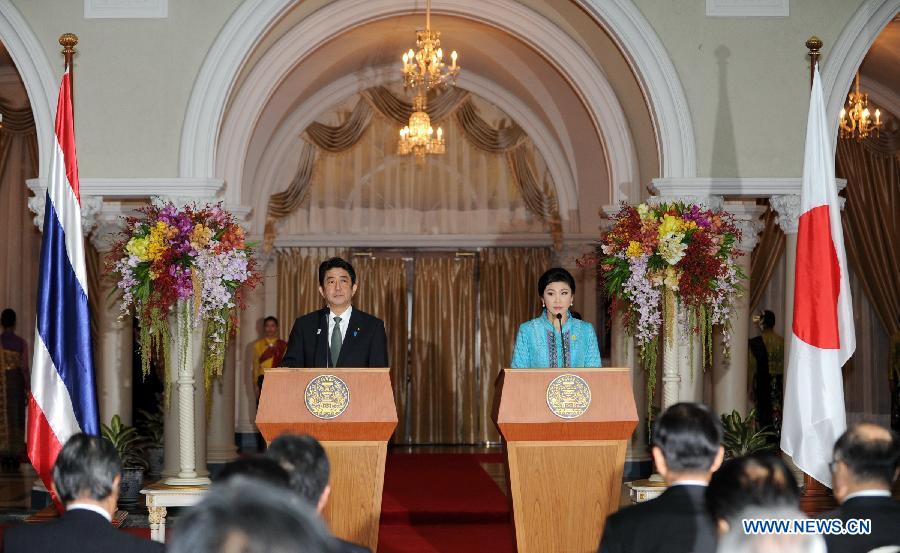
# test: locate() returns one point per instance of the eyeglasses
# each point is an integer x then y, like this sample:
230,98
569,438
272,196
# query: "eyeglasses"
832,464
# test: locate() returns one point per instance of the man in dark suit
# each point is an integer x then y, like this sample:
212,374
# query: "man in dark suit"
865,465
306,462
337,335
687,449
86,479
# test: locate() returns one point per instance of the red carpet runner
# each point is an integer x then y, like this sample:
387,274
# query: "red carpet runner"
443,503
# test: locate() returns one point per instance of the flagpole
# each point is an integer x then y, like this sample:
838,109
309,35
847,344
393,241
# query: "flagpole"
814,44
68,41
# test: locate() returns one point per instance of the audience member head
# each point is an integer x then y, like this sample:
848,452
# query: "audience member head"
738,541
306,462
270,327
866,457
88,470
337,283
8,318
255,467
687,442
761,481
249,516
768,320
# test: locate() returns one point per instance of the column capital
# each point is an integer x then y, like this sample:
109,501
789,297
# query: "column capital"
570,252
110,222
709,201
90,206
787,206
746,217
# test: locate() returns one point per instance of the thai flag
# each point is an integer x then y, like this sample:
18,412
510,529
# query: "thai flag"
823,335
62,400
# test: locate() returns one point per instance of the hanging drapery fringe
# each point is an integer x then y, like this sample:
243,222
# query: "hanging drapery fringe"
539,194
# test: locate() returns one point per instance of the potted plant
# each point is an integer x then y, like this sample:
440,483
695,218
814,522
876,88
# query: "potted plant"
151,427
128,444
742,436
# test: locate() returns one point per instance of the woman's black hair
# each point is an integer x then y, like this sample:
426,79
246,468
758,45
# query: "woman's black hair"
556,274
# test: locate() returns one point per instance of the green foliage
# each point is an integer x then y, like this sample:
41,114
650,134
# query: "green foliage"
742,436
151,426
127,442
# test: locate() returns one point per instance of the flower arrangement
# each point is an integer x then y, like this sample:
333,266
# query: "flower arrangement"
657,257
191,257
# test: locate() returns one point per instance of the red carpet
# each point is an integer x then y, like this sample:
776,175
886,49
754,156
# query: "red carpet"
443,503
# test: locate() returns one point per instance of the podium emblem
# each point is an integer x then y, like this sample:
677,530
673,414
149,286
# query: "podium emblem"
327,396
568,396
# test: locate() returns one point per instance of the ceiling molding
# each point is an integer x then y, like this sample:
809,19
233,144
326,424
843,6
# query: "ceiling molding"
737,188
585,77
139,188
448,241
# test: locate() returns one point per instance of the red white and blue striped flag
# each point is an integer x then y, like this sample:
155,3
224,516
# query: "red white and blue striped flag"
62,401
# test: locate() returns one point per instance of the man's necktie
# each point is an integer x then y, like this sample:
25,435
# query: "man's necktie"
336,341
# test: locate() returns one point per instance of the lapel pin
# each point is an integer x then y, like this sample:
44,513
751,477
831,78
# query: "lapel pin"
318,331
355,332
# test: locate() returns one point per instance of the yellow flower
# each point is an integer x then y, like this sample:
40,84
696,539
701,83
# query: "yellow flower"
200,236
138,248
634,249
643,211
158,240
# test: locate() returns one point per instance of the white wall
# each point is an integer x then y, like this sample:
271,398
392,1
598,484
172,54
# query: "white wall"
133,78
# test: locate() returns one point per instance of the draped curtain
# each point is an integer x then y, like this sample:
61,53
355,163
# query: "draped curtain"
506,139
21,241
443,399
298,282
508,288
382,292
765,257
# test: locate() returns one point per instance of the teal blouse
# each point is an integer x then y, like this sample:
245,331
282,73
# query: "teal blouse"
540,345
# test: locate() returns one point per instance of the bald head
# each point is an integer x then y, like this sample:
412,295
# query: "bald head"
866,457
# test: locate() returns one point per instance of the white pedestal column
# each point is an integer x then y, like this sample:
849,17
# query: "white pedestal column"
220,446
788,208
112,354
730,374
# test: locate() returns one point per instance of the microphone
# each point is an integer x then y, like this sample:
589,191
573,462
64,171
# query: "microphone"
559,320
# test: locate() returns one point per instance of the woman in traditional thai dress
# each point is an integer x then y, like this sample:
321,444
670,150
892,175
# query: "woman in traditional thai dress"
556,338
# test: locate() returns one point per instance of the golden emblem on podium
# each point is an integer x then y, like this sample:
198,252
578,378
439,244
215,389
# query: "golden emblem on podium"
327,396
568,396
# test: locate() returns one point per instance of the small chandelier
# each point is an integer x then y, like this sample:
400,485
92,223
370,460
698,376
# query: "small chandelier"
425,67
418,138
856,119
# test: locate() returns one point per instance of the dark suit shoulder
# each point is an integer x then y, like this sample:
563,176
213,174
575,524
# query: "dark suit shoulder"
311,318
83,531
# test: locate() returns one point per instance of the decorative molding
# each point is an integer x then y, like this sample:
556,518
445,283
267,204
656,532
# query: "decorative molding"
449,241
787,207
654,69
848,51
588,79
205,189
126,9
746,217
110,222
90,207
748,8
736,187
283,143
33,66
707,201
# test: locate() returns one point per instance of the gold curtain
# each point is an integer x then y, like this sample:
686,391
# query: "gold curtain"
508,298
21,243
298,282
765,257
871,225
285,202
443,399
382,292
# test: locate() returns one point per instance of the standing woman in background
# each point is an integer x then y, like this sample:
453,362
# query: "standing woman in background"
556,338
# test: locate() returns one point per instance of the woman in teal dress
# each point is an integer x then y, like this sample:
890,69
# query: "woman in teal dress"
555,338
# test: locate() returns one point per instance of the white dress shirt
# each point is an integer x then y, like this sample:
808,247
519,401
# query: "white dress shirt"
345,322
88,507
868,493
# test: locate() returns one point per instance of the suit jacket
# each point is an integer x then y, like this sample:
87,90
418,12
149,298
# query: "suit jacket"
77,531
884,513
675,522
365,344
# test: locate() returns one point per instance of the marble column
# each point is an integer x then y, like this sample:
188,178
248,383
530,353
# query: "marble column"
787,207
730,373
220,447
249,331
113,350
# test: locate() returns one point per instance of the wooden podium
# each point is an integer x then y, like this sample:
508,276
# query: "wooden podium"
356,440
565,474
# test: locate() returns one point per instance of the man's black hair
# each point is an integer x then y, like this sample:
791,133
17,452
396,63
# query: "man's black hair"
768,319
869,458
761,480
256,467
689,435
86,467
8,318
270,318
336,263
556,274
306,462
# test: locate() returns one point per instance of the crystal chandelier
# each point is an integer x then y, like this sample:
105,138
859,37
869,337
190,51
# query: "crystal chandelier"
425,67
856,119
418,138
